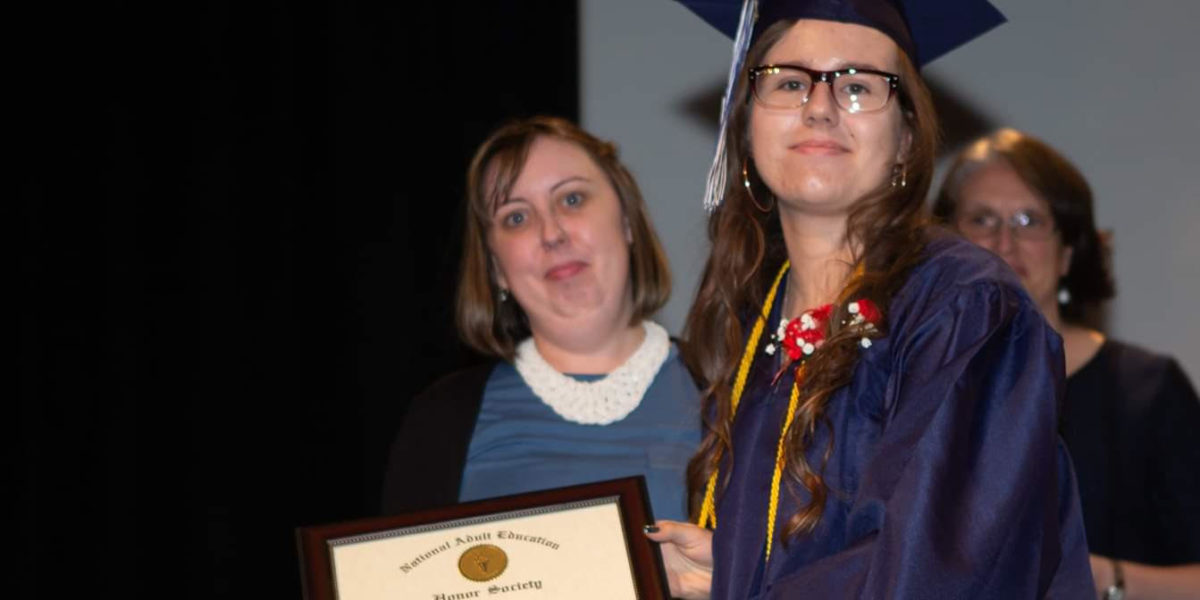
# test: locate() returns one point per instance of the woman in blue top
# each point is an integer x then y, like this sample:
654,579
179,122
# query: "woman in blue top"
880,398
560,273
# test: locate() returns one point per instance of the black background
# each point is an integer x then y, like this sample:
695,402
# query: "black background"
238,227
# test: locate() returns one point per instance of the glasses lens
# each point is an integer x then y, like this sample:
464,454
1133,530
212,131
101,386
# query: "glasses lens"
781,87
1031,225
861,92
979,225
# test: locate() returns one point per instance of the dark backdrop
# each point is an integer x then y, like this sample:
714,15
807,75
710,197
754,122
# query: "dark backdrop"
237,226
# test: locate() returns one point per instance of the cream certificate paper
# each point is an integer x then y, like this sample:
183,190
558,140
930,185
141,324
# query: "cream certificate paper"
572,550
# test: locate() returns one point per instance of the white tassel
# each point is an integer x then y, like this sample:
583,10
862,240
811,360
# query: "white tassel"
714,191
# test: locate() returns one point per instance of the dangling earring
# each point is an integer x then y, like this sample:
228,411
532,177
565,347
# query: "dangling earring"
899,175
746,182
1064,295
503,295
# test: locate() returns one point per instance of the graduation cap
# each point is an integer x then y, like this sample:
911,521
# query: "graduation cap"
923,29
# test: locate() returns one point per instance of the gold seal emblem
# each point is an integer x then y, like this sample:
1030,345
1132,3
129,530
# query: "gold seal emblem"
482,562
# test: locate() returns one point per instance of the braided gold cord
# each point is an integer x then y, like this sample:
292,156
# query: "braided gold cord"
708,513
773,506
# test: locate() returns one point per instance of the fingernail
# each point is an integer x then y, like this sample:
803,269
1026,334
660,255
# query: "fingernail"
650,528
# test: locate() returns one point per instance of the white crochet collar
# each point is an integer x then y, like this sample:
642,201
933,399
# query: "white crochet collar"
605,400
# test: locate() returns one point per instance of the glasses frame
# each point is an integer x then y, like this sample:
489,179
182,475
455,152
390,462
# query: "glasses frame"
1013,223
823,77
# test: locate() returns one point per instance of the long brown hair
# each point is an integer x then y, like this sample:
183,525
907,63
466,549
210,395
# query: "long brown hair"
494,326
887,232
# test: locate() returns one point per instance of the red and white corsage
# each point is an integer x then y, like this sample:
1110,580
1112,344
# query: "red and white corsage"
864,315
800,337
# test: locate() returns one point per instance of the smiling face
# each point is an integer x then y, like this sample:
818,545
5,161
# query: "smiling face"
988,200
818,157
560,243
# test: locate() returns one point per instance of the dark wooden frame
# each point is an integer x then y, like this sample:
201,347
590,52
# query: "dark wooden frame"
650,582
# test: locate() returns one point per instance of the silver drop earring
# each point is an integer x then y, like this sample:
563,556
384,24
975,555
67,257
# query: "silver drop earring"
1064,295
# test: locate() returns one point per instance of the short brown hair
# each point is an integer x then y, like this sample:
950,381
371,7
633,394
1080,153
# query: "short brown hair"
494,327
1053,177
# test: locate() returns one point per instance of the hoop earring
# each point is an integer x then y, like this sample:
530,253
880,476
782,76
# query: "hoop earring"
750,192
899,175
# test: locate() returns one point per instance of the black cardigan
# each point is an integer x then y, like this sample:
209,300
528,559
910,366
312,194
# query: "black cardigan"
429,453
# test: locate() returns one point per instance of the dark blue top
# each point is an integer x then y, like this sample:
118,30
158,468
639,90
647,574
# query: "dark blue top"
521,445
947,477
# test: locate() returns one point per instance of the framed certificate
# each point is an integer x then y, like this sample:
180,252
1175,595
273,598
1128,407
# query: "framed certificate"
579,542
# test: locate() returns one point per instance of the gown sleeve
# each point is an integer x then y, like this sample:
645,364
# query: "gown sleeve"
969,492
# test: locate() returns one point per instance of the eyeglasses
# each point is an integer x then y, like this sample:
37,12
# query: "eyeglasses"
1028,225
854,90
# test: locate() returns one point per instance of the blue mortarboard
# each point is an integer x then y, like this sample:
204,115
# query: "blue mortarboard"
924,29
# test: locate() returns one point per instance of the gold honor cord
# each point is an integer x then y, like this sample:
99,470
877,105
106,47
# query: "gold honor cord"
708,513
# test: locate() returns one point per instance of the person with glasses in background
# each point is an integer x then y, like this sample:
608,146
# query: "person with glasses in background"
1131,418
879,395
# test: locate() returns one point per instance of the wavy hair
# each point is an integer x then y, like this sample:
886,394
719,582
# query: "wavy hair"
887,233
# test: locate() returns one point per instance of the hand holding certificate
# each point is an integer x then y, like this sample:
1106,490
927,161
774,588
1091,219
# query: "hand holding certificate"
577,542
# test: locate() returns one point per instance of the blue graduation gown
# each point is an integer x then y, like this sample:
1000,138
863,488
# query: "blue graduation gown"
947,477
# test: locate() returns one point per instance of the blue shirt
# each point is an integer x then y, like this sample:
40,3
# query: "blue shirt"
521,445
